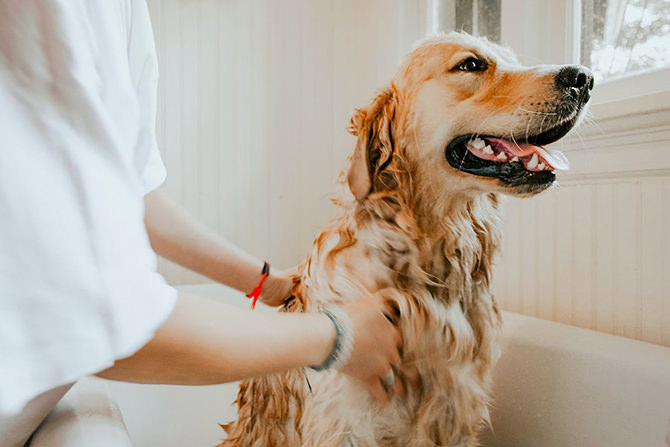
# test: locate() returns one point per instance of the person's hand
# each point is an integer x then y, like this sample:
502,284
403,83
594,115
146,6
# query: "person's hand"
277,286
376,354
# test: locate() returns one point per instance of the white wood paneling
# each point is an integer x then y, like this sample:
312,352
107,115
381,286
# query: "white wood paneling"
254,100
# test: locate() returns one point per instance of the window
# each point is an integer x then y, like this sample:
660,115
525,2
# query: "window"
625,36
477,17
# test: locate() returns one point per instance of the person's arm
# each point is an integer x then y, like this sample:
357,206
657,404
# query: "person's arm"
206,342
177,236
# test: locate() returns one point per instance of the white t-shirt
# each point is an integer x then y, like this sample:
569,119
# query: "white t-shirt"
78,280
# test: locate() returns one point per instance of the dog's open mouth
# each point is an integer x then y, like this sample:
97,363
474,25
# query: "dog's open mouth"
513,162
534,158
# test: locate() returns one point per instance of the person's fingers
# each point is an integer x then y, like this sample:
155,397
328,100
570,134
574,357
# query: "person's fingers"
395,358
270,302
378,346
398,339
277,289
387,316
378,391
393,341
399,387
411,374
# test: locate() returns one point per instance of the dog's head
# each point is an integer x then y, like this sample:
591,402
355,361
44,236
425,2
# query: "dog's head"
463,116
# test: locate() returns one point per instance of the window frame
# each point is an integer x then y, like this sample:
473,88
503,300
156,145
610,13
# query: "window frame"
636,84
559,42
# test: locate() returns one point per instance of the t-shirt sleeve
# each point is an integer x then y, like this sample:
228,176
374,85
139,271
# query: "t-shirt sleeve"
143,66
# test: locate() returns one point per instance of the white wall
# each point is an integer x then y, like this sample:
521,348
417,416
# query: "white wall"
254,100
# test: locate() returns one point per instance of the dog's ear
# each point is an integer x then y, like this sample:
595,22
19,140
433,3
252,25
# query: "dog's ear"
375,145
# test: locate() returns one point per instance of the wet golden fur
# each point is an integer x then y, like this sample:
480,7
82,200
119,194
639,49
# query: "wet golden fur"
422,235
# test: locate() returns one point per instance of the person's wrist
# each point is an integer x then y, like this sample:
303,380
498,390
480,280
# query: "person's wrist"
270,284
277,287
256,292
324,332
344,339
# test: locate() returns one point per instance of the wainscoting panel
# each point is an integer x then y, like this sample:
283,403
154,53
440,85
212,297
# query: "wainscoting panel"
254,100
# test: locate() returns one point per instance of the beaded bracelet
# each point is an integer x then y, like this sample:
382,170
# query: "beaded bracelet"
344,339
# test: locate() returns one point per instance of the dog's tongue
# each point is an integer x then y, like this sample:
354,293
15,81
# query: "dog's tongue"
555,159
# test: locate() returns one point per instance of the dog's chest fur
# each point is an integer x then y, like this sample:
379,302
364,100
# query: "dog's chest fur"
438,288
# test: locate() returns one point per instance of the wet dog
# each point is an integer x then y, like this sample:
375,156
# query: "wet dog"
460,123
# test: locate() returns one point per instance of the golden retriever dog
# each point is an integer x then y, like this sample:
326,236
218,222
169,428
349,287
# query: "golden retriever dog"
460,123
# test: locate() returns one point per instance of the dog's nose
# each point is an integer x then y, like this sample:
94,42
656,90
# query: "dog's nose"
576,81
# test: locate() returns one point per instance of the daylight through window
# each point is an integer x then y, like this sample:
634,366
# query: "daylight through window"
625,36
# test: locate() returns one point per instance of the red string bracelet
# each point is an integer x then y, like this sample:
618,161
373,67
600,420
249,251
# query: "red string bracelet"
257,291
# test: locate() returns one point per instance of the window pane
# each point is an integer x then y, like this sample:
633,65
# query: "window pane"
624,36
477,17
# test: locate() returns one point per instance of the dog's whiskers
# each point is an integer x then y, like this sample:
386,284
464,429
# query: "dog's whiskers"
479,127
588,118
530,120
581,140
535,112
460,166
542,124
511,134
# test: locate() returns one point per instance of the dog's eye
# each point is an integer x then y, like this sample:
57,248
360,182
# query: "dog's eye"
471,64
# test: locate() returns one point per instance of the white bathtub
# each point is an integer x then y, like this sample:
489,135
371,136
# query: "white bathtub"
555,386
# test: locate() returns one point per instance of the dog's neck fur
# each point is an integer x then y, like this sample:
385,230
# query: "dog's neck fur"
457,238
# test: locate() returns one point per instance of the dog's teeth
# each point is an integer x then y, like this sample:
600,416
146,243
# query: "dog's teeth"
541,166
502,156
488,150
532,164
515,159
478,143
